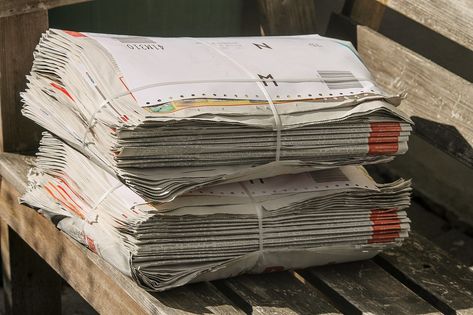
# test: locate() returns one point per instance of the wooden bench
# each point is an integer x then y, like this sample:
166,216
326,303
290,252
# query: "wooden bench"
438,80
417,278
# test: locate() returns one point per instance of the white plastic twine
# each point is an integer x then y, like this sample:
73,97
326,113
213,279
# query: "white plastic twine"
93,215
259,214
92,120
277,119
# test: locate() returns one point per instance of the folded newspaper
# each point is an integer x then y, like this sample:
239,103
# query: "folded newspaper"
260,225
168,115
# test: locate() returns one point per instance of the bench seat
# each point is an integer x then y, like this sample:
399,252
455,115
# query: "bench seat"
417,277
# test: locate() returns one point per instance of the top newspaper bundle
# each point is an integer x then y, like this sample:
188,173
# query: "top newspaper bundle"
168,115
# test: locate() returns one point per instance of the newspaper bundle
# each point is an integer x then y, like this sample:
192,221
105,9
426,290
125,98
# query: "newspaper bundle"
283,222
168,115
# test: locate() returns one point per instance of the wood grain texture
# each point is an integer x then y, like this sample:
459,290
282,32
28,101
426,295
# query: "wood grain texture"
364,287
196,298
438,99
17,7
288,17
431,273
368,13
353,287
104,287
279,293
67,257
437,177
18,38
14,169
452,19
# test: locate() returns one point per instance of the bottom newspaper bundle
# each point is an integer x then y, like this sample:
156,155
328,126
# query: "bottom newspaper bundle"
283,222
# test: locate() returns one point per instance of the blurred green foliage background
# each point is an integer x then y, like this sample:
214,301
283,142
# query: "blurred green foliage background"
152,17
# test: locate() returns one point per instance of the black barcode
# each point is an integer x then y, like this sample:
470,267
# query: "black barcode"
337,80
330,175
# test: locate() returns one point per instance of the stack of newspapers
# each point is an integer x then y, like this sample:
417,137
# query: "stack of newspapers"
190,159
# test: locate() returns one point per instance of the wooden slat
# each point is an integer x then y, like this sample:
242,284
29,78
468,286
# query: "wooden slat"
14,169
364,287
250,18
412,34
17,7
368,13
288,17
432,273
104,287
429,222
18,38
197,298
437,176
265,294
278,293
452,19
439,100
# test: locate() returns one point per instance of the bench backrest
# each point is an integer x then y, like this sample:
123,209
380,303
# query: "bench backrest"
439,96
21,23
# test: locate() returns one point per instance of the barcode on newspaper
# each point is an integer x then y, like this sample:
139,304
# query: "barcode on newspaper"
337,80
326,176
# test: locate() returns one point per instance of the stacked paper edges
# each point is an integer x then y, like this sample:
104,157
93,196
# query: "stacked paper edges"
256,137
277,223
304,103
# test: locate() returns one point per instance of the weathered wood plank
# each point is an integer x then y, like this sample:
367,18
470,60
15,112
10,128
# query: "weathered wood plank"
429,221
265,294
441,179
288,17
431,273
30,285
95,284
452,19
434,46
364,287
18,38
17,7
14,169
439,100
104,287
197,298
278,293
368,13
